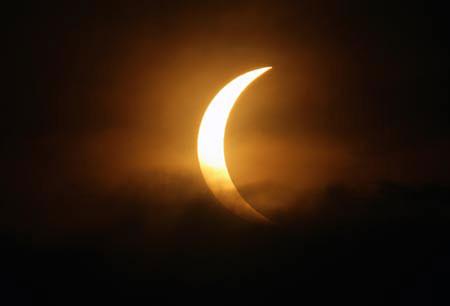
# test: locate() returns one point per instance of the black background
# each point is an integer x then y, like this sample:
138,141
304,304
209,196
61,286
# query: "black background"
388,247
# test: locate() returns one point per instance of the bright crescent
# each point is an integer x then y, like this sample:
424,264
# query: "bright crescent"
210,147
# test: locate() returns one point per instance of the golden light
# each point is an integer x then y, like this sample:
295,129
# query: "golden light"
210,147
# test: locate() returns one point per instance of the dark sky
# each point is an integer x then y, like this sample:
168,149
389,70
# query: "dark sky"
345,142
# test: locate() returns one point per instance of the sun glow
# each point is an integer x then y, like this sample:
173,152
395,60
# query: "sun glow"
210,146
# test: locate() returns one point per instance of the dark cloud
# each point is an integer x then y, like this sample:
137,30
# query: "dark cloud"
139,242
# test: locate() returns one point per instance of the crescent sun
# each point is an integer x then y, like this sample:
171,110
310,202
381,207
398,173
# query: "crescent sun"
210,147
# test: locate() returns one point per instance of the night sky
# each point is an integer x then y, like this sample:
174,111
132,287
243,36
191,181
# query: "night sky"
344,144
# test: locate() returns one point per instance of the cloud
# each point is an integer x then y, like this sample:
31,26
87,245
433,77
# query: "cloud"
154,233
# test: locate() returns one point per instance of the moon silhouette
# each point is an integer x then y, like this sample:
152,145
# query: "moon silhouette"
210,147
